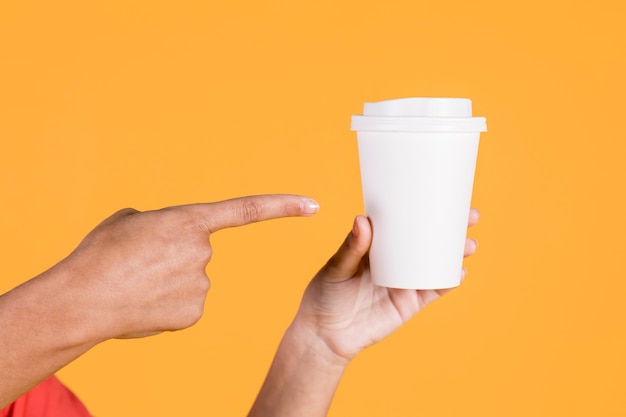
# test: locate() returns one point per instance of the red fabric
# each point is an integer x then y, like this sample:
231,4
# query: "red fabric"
48,399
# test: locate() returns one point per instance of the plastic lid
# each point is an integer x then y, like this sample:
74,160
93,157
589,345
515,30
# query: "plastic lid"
419,115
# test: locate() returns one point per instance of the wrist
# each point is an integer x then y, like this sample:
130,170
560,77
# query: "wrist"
310,341
304,375
53,301
42,331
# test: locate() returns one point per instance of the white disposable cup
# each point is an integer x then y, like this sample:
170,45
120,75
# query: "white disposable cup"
417,159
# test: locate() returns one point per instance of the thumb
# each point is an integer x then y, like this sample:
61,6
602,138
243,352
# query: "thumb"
345,263
244,210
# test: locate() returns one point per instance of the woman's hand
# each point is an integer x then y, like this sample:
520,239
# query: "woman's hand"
346,310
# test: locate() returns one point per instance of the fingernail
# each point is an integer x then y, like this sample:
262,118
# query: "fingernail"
463,273
355,228
310,207
475,243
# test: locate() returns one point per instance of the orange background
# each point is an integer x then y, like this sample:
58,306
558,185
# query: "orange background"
147,104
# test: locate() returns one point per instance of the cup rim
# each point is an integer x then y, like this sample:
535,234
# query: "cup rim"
418,124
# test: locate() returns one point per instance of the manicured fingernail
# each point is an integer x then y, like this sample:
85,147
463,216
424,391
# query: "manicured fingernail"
475,242
310,207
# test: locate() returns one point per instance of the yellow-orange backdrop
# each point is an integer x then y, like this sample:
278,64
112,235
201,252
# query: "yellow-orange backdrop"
147,104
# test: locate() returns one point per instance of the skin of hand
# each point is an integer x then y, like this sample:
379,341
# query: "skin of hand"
342,312
347,310
136,274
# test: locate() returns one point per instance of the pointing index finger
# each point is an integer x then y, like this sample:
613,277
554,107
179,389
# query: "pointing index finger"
245,210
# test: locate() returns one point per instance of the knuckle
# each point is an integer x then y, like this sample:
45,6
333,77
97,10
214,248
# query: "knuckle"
127,211
194,310
204,286
194,222
118,216
124,212
121,214
199,253
250,211
205,257
195,314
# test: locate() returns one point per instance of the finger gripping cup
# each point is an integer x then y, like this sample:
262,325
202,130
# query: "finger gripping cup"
417,160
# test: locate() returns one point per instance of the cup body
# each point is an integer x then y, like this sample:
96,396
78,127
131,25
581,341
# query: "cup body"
417,189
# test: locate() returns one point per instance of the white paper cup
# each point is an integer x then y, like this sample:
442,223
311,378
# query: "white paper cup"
417,158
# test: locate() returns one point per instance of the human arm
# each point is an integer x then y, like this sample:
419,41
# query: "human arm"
342,312
135,275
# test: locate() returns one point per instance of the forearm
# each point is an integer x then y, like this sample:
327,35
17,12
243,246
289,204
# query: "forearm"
303,377
41,330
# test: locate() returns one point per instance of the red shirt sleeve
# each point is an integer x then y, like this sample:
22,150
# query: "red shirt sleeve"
48,399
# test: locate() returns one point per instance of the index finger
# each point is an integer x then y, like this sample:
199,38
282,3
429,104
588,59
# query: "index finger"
245,210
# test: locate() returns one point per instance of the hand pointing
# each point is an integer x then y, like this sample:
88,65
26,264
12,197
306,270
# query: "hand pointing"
212,217
141,273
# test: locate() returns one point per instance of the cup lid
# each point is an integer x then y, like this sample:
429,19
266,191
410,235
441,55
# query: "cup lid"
419,114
